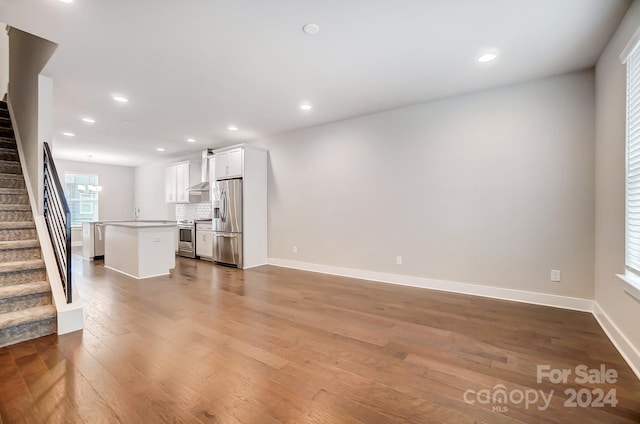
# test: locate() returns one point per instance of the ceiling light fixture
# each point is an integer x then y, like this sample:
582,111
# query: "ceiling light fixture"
69,134
89,120
65,1
233,128
160,149
191,140
487,57
305,106
120,99
311,29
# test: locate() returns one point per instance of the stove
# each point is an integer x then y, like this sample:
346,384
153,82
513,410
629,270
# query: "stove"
187,238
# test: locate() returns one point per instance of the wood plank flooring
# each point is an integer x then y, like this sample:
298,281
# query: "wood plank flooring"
210,344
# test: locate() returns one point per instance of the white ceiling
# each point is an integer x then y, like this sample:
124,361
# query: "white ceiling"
192,68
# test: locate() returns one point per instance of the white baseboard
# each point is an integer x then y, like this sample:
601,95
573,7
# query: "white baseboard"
628,351
137,278
557,301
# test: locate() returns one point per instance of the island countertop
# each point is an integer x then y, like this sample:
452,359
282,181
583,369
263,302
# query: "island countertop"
141,224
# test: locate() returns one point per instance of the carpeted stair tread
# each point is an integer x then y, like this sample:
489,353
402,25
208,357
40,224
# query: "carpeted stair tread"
11,176
19,244
39,313
9,154
17,225
6,162
25,289
15,207
28,265
8,180
13,190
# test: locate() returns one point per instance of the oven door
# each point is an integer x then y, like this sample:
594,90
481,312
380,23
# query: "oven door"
186,235
186,242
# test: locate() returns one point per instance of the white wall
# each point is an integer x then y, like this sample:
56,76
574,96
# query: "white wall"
149,192
494,188
4,60
28,54
149,186
116,198
623,310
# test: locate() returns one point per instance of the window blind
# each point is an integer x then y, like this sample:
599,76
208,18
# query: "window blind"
632,215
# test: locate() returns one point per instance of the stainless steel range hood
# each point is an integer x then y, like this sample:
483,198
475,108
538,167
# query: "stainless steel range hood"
203,185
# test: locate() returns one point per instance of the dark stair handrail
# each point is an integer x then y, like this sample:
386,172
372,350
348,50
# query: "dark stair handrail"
57,215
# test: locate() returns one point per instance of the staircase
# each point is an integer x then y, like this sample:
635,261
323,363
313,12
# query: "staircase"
26,310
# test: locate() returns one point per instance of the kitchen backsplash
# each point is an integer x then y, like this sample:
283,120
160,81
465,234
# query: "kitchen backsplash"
193,211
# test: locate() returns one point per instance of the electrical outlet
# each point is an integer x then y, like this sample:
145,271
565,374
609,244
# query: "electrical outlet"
398,260
295,249
555,275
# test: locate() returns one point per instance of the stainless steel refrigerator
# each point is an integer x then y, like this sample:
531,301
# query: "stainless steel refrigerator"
227,222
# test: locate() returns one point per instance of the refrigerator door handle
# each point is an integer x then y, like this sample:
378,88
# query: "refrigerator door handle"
223,206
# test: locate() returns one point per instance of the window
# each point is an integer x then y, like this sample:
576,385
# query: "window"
632,173
82,192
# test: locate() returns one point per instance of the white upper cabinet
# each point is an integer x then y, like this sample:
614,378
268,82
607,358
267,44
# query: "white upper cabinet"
176,183
170,184
182,183
212,170
229,164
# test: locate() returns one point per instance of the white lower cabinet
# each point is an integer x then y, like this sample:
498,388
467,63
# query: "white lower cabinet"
204,242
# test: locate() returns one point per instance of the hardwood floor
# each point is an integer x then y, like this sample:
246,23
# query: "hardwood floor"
269,345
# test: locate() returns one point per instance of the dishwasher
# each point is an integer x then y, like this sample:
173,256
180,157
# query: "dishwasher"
92,240
98,240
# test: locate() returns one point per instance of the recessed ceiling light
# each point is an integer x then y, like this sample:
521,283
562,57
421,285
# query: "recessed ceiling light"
128,122
160,149
487,57
191,140
120,99
65,1
69,134
305,106
233,128
89,120
311,29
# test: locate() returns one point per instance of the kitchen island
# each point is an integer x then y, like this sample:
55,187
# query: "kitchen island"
140,249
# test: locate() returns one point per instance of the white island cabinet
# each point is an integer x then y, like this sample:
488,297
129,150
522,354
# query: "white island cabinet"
140,249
